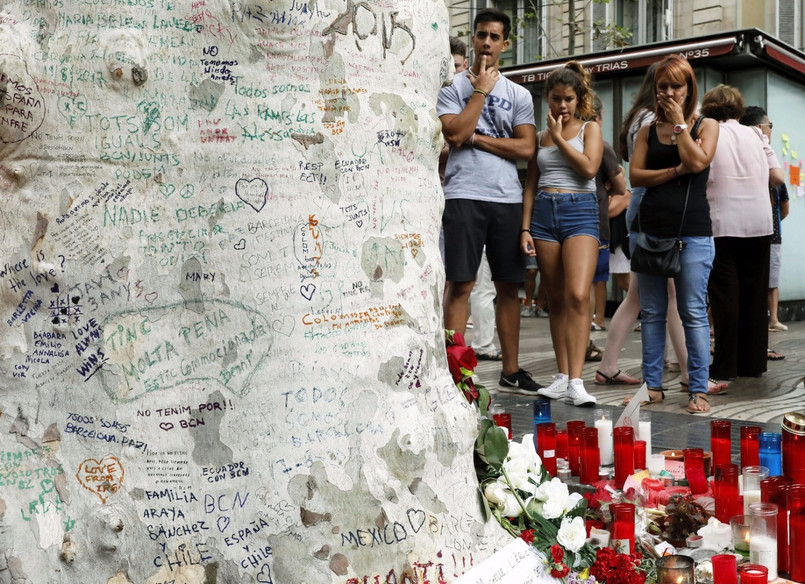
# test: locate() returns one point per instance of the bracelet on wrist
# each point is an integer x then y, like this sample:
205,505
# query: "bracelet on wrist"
525,231
481,91
472,141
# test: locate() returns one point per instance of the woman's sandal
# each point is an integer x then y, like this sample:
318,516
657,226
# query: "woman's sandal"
620,378
593,353
651,398
693,403
714,387
773,355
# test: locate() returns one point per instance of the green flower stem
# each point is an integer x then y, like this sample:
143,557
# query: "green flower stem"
516,496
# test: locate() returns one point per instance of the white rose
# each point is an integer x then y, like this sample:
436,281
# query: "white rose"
572,534
495,493
552,509
511,508
517,471
556,496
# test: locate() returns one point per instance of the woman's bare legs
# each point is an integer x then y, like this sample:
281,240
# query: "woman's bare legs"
620,326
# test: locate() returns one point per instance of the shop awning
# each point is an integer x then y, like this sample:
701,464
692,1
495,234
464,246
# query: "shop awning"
731,50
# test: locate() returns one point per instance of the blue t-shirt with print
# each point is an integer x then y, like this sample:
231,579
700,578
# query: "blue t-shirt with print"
472,173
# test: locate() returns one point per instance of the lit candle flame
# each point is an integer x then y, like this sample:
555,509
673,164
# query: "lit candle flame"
680,580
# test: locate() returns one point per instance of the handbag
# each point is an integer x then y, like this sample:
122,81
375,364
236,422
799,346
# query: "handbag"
660,256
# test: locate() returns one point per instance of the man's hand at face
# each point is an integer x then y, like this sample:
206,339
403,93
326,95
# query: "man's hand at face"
486,78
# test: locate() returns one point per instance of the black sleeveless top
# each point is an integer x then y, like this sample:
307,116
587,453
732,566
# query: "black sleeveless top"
662,205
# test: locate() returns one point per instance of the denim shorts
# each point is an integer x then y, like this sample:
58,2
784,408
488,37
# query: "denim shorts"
560,216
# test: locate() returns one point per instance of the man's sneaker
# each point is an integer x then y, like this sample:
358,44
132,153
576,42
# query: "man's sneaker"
541,313
527,311
578,396
557,389
520,382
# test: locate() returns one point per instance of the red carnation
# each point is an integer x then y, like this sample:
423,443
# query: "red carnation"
560,572
557,553
527,536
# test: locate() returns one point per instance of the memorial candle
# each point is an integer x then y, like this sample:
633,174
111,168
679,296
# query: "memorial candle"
546,446
740,534
590,456
561,445
574,445
623,441
796,531
794,446
640,454
763,536
644,430
725,490
720,442
694,470
750,447
603,423
753,574
752,475
622,539
775,490
675,570
725,569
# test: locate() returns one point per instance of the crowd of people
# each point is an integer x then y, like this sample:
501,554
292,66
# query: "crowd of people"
702,172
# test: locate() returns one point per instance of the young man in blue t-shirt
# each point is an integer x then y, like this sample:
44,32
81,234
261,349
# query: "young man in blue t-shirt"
488,121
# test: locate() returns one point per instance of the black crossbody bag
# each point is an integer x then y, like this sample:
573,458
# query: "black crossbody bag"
660,256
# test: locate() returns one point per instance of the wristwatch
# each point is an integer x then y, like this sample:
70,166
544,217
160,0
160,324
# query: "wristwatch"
679,128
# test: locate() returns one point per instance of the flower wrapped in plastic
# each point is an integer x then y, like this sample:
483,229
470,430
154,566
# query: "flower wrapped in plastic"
461,361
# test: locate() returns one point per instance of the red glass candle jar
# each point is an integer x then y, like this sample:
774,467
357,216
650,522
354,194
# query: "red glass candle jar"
623,443
725,569
546,446
694,470
720,442
640,454
794,446
574,428
796,532
590,456
561,444
754,574
725,490
504,420
775,490
750,446
622,539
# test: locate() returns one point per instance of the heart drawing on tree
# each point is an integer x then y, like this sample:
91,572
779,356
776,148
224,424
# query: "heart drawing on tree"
253,192
102,477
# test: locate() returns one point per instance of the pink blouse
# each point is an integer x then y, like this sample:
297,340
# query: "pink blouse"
738,187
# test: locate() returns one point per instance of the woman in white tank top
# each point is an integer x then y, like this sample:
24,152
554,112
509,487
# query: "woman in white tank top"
560,222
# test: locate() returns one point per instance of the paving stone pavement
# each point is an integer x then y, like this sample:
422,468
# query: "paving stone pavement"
762,401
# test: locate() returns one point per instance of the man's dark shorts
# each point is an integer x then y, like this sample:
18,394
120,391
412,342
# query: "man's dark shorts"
468,226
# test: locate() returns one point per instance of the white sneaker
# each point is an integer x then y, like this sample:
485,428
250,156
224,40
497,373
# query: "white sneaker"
527,311
577,395
557,389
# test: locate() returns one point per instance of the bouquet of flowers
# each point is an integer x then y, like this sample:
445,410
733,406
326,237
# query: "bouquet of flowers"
530,504
517,490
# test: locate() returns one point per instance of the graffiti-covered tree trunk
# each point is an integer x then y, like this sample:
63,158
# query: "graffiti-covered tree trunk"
222,355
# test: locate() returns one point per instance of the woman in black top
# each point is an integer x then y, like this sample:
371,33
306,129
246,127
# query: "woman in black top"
667,158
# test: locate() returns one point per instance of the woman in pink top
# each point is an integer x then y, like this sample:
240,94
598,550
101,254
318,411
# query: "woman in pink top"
740,210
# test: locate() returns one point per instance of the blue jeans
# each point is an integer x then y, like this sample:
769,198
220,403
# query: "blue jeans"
560,216
691,295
